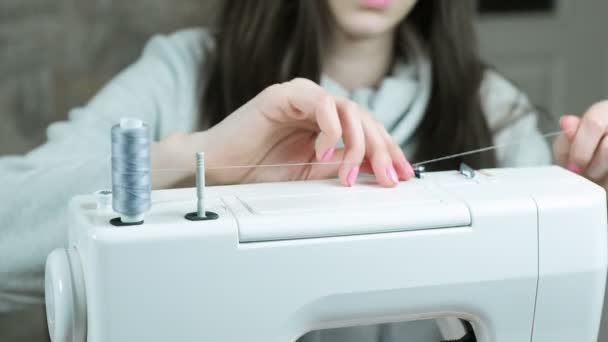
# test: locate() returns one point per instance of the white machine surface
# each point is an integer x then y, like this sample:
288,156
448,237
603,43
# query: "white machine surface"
520,253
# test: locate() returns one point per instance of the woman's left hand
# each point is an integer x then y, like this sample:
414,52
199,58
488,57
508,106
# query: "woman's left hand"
583,146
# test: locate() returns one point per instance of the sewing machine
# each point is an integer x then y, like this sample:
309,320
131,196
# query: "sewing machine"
519,253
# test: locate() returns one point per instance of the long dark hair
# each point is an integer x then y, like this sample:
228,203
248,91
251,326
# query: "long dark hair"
264,42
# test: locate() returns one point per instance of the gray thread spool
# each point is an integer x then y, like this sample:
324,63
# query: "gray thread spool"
131,188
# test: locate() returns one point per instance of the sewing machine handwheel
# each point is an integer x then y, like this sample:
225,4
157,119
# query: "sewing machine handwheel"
64,296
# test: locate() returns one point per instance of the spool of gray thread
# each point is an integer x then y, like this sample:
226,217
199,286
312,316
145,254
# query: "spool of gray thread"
131,188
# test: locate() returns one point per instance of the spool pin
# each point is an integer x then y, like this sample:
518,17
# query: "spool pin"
201,214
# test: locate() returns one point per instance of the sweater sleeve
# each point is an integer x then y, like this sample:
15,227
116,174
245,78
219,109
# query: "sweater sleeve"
513,121
35,188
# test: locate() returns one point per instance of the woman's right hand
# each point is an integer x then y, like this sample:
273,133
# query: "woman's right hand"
298,122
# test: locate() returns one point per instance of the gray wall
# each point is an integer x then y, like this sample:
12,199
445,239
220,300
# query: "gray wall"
55,54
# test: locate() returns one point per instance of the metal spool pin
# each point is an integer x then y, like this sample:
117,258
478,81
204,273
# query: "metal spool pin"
201,214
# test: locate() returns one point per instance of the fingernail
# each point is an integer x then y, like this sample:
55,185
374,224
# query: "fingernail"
574,168
352,176
390,171
328,154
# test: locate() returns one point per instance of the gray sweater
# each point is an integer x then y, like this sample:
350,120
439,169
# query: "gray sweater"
163,87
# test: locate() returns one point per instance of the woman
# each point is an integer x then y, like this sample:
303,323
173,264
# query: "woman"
280,82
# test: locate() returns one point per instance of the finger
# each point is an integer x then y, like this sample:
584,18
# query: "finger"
328,120
403,167
561,145
598,168
304,104
332,166
318,107
378,154
561,149
307,102
569,124
588,135
354,141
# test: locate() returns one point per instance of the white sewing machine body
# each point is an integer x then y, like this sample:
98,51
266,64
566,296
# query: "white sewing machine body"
520,253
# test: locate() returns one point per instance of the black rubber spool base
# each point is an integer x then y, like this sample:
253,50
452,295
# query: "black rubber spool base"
118,223
209,215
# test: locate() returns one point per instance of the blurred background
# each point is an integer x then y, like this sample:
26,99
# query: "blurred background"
56,54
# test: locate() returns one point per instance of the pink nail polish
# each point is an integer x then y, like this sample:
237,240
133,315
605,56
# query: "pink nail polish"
392,175
328,154
352,176
575,168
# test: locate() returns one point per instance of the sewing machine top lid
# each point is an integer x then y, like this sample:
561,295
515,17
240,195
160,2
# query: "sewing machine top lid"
321,209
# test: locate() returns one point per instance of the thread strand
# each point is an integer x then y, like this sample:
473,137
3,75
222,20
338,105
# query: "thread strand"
424,162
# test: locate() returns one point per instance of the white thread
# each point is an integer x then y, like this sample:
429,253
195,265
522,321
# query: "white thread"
484,149
425,162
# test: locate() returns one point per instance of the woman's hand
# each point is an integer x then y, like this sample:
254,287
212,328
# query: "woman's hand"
583,146
298,122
